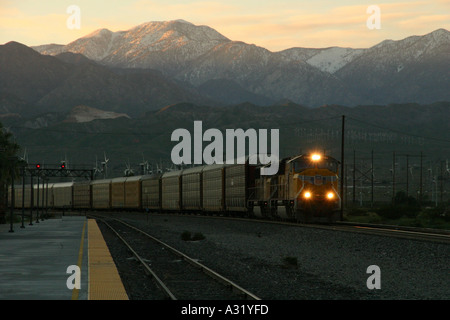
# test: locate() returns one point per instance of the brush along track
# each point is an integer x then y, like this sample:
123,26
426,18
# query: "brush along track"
177,275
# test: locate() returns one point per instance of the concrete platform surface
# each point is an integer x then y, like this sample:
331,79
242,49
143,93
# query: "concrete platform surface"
34,260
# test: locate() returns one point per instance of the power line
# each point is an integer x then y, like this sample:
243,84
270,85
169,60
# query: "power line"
400,132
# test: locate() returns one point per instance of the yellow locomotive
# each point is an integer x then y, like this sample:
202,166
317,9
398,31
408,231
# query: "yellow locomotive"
305,189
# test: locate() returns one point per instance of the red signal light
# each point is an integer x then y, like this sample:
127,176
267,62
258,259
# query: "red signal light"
38,166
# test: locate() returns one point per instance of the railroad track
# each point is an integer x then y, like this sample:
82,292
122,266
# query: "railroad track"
412,233
178,276
395,231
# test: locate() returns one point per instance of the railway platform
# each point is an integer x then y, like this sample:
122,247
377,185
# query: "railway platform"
43,261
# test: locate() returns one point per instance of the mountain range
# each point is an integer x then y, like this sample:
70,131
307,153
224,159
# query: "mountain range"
156,64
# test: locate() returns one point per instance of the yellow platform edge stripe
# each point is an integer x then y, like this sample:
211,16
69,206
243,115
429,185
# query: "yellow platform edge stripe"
104,280
76,291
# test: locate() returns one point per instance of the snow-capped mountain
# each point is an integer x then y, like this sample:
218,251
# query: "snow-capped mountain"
412,69
169,43
155,45
415,69
231,60
328,59
260,71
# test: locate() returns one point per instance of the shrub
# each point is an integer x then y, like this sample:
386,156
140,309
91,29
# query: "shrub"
439,212
290,262
198,236
403,206
186,236
373,217
357,212
389,212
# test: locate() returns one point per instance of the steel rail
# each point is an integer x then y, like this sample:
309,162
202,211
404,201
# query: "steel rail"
398,233
236,288
159,282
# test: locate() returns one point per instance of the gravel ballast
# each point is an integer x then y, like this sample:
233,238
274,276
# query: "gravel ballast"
324,264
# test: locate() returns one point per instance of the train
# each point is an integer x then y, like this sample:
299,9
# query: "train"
304,189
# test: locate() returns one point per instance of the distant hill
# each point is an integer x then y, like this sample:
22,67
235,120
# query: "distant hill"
87,114
403,128
38,83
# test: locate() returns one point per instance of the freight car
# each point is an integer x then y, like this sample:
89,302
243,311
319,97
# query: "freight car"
82,195
62,194
213,188
304,189
151,192
101,194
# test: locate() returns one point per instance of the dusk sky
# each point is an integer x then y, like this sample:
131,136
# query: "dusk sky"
275,25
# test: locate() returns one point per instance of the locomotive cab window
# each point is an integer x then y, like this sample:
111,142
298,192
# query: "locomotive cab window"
307,163
329,164
302,164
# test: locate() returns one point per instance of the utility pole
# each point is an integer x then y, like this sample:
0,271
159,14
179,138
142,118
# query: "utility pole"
23,196
11,218
407,176
342,167
31,200
372,180
354,176
37,200
421,169
442,182
393,177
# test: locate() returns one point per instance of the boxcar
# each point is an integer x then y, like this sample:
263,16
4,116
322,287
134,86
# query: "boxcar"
62,195
151,192
82,195
18,192
19,198
171,190
118,193
51,197
101,194
191,188
40,194
27,202
213,188
239,178
133,192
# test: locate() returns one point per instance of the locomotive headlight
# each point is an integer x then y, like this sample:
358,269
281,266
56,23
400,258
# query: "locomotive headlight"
315,157
307,195
330,195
